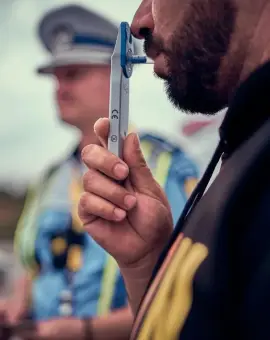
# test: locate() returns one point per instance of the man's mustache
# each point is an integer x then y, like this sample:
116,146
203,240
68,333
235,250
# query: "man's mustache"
152,46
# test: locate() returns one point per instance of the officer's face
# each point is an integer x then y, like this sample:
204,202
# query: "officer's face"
82,93
188,40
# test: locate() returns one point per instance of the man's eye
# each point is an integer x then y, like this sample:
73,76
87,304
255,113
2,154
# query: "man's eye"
71,75
74,74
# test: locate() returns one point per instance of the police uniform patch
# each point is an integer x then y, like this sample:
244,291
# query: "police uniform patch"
159,317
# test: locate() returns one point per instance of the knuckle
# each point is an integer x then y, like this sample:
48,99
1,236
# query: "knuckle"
88,151
142,164
116,194
88,179
103,210
84,200
85,152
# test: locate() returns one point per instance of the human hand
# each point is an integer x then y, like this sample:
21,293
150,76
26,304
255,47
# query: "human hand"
131,221
56,329
13,310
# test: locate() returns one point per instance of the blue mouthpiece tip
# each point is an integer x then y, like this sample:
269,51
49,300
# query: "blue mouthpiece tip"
138,60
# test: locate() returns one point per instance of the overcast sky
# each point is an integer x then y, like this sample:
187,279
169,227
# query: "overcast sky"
30,135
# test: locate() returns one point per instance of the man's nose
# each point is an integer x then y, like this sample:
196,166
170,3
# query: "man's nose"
61,91
61,84
143,20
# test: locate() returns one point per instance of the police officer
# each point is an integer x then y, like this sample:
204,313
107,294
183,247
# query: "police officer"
75,286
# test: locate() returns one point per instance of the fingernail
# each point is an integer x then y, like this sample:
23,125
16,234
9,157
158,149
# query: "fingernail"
130,201
101,140
119,214
97,122
120,171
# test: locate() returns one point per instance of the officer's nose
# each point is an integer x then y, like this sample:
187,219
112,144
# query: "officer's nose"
62,86
143,20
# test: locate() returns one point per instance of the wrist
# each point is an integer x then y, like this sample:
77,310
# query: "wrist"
142,269
73,328
137,277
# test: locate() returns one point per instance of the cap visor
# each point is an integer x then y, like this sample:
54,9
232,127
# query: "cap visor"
49,68
72,60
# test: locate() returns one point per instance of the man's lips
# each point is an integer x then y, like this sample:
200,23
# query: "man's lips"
152,51
160,67
152,54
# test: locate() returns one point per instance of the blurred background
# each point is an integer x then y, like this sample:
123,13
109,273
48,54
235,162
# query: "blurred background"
32,138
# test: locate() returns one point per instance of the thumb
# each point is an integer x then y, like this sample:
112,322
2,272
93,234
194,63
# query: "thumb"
140,175
101,129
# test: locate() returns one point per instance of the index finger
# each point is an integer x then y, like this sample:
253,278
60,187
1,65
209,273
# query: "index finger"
97,158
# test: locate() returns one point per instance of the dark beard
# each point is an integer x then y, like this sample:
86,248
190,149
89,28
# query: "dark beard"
195,57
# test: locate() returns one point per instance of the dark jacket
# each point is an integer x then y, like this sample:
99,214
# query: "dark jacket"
230,291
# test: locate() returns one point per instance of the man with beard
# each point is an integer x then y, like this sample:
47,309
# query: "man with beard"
75,282
209,279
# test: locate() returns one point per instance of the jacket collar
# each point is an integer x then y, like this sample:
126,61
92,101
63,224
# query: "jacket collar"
248,110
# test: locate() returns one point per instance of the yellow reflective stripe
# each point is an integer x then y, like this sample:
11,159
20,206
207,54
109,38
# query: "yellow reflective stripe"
162,168
166,316
107,286
75,191
163,162
184,290
25,233
28,260
20,224
190,185
147,149
162,295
